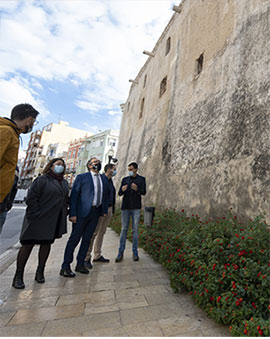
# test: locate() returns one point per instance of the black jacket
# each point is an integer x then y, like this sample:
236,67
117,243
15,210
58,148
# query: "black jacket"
46,212
132,199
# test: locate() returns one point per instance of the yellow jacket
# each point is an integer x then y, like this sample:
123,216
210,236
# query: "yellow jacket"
9,148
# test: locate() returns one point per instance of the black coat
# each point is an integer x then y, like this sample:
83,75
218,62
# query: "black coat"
132,199
46,212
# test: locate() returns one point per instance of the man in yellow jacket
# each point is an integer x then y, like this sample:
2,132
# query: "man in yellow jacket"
22,119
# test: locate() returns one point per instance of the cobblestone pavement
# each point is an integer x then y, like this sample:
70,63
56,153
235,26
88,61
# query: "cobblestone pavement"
116,299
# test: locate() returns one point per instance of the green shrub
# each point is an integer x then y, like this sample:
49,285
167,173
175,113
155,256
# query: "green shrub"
223,264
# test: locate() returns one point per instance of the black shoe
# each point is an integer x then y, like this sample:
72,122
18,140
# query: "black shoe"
18,280
82,269
119,257
39,277
67,273
135,257
101,259
88,264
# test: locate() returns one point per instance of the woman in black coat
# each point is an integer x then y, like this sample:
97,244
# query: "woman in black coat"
45,218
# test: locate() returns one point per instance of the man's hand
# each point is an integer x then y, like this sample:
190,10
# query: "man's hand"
124,188
73,219
134,187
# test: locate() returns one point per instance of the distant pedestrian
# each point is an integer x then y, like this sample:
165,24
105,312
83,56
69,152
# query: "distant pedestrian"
88,202
132,188
22,119
9,200
97,238
45,219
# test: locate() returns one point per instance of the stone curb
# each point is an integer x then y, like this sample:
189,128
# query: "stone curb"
8,257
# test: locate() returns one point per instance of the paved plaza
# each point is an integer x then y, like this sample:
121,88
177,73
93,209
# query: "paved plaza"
115,299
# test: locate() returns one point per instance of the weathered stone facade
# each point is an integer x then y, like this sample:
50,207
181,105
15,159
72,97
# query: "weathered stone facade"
204,145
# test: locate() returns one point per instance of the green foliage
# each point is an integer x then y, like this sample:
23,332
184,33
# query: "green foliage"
223,264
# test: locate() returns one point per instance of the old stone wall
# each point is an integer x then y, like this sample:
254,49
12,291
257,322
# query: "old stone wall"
204,145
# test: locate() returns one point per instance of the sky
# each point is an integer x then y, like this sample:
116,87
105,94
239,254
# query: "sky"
72,59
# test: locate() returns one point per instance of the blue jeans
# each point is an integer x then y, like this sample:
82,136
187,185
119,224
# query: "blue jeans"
126,214
83,229
3,216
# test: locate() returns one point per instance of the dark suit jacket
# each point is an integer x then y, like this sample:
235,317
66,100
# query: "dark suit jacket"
132,199
82,196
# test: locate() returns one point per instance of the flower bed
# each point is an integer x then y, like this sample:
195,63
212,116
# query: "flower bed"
223,264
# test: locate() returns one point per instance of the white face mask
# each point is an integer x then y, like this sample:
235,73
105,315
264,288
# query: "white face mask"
58,169
114,173
130,173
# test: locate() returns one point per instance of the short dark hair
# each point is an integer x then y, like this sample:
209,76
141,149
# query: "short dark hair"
90,160
50,164
108,166
23,111
134,164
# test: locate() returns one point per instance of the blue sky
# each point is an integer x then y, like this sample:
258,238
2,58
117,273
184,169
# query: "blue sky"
72,59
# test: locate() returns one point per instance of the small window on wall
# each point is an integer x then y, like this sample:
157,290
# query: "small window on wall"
199,64
163,86
141,109
168,46
144,82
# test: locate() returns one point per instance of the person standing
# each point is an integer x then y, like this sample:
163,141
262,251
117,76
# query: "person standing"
45,218
132,188
22,120
103,222
88,202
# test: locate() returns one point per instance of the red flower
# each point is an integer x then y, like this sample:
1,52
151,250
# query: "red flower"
214,266
261,332
206,290
245,331
258,328
237,303
243,238
259,274
269,307
218,299
212,298
237,235
253,305
183,211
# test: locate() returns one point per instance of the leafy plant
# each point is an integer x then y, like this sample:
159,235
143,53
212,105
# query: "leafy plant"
222,263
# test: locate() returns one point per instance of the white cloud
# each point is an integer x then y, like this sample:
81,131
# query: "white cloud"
93,44
114,112
16,91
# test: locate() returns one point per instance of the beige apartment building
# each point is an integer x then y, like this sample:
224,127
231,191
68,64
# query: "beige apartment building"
197,117
44,145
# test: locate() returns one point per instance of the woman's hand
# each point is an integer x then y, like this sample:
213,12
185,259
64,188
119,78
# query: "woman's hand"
73,219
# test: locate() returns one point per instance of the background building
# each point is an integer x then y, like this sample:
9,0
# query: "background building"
101,145
197,117
44,145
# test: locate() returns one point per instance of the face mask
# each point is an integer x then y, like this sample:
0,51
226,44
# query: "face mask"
114,173
130,173
97,167
28,129
58,169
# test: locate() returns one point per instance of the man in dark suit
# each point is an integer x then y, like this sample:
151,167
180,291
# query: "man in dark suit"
88,201
132,188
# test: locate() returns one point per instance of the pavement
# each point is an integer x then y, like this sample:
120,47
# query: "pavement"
115,299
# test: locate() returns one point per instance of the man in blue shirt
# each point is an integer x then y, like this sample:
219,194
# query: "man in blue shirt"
88,201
